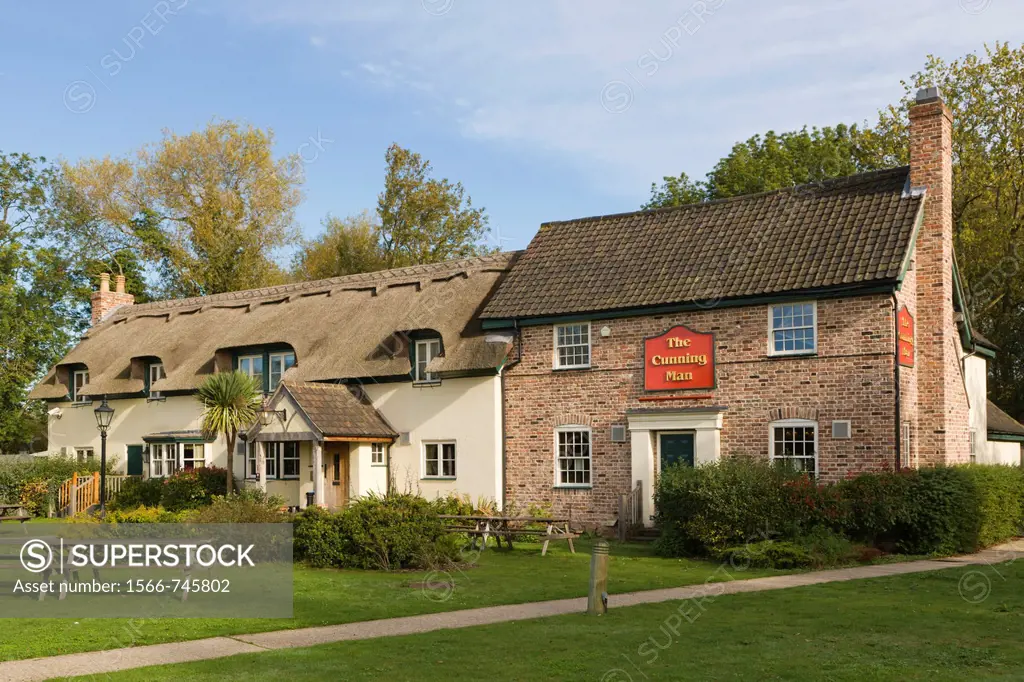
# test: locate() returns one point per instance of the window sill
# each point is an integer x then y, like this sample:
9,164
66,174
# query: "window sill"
792,353
570,368
156,399
379,466
587,486
426,384
438,478
81,403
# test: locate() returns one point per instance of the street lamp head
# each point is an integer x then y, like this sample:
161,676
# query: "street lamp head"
104,415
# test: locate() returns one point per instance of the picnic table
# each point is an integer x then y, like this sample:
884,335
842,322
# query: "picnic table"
13,512
504,527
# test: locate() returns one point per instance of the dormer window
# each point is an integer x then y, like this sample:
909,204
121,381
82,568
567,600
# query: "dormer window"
155,373
79,378
267,366
279,364
426,350
253,366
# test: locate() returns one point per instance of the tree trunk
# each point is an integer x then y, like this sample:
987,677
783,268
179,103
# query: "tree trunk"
231,460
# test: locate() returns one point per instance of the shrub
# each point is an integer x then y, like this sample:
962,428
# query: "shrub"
193,488
1001,501
878,505
17,473
812,506
319,539
828,548
721,504
767,554
137,492
142,515
944,513
389,532
239,509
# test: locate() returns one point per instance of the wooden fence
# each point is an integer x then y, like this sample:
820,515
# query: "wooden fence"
80,492
631,511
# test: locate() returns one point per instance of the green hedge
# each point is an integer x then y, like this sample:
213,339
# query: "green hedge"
387,532
34,481
736,502
185,489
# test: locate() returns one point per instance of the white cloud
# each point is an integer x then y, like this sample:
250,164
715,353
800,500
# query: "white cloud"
696,77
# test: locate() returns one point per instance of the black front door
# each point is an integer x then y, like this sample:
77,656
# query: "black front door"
676,448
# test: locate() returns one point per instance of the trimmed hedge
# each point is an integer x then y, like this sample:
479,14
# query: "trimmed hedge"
737,502
387,532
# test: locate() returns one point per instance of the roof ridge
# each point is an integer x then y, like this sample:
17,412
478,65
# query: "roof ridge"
389,275
831,183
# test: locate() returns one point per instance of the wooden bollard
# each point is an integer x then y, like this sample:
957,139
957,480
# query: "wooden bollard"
597,598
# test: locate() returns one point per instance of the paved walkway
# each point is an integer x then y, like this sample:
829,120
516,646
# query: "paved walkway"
99,662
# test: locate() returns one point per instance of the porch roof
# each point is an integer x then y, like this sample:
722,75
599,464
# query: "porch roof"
336,412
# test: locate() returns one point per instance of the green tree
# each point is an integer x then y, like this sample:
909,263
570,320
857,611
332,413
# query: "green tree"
38,308
231,402
770,162
986,95
210,208
419,220
423,219
347,246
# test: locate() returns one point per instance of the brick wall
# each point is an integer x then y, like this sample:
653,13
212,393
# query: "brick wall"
851,377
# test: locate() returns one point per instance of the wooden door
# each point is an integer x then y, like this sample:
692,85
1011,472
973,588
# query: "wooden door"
337,475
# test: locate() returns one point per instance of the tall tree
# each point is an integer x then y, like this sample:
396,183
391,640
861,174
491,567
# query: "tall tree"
346,246
423,219
419,219
772,161
38,316
986,95
210,208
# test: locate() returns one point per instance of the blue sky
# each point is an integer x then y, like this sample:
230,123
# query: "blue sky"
543,109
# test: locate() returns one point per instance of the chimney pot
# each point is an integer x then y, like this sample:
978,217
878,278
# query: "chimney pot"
119,284
104,281
929,94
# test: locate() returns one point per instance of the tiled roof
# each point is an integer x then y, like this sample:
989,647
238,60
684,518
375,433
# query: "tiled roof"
337,412
850,231
1000,422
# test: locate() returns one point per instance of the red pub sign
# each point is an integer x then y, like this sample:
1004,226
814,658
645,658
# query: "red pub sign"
679,359
905,337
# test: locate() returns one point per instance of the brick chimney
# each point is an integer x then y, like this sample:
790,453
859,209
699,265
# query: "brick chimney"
942,407
105,301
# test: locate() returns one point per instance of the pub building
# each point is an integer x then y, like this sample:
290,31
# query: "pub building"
822,325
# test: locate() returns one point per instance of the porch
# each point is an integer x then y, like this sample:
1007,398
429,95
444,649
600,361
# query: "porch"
319,444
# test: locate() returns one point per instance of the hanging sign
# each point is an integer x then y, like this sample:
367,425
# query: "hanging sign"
679,359
905,340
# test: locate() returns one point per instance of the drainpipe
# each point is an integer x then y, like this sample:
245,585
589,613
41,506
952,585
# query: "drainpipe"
896,378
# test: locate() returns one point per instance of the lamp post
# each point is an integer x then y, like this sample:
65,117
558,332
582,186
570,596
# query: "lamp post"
104,415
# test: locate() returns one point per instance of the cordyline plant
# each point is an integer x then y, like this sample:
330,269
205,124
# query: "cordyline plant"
231,402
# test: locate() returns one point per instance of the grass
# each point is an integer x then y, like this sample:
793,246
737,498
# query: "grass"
326,597
914,627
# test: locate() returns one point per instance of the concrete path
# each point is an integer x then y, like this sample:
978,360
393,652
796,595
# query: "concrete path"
99,662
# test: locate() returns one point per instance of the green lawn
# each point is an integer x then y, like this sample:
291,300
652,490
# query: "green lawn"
914,627
324,597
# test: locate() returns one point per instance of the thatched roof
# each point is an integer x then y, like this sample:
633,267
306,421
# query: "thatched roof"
340,328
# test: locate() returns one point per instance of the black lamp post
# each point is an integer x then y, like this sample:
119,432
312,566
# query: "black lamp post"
104,415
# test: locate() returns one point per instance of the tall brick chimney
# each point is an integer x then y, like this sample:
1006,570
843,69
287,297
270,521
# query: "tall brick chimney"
105,300
942,406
